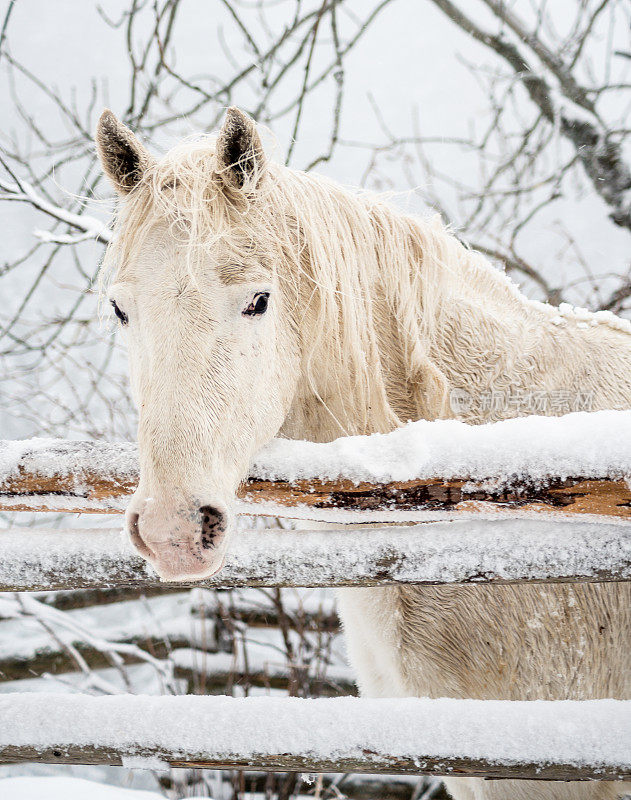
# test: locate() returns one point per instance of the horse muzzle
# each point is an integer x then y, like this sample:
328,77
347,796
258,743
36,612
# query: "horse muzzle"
183,541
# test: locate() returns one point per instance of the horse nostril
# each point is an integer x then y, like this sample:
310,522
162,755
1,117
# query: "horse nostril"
133,525
134,534
213,525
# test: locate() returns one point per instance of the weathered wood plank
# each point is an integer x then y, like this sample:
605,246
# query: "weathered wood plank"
54,660
433,498
96,477
155,758
465,551
88,598
199,679
563,740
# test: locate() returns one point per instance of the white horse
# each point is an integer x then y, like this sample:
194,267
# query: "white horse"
260,301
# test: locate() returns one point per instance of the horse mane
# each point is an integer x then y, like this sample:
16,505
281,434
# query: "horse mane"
369,279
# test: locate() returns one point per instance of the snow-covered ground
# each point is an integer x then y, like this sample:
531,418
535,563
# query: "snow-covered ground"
59,788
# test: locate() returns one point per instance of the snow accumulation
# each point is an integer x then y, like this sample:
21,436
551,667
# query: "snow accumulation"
22,638
581,444
58,788
442,552
579,733
50,457
590,319
96,554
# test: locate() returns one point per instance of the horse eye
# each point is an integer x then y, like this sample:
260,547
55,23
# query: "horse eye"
258,305
120,314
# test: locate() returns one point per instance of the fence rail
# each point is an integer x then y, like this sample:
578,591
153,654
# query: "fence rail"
460,552
97,477
501,739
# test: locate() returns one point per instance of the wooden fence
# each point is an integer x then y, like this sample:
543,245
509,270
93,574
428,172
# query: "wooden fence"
455,530
459,552
97,477
566,741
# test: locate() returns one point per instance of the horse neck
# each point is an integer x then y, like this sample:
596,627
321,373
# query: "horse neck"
441,318
513,357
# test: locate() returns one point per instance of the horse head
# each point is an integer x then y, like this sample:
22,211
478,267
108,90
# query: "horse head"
210,331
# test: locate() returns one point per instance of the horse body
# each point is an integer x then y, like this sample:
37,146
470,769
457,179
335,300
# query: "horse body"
375,318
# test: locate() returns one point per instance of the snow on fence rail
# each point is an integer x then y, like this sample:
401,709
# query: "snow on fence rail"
578,464
558,740
461,551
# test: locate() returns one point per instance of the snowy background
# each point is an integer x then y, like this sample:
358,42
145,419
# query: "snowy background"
511,119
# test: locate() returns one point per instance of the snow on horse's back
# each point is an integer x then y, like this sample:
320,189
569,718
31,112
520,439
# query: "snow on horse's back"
258,300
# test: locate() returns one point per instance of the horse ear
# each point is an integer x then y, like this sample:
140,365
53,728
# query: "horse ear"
240,156
123,158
